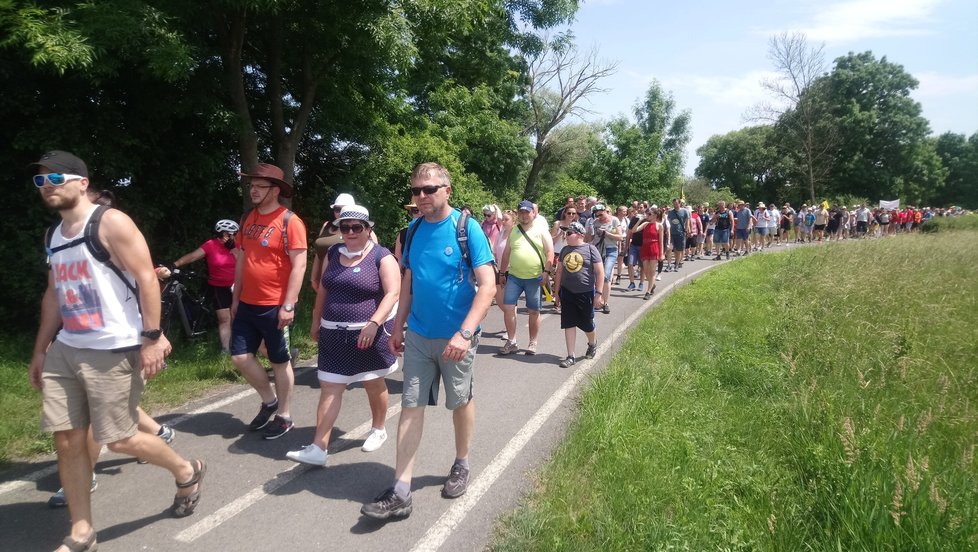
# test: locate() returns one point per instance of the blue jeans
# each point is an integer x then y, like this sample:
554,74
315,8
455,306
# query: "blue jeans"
610,260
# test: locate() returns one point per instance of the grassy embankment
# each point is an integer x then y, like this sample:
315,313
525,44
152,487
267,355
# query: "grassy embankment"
824,398
195,369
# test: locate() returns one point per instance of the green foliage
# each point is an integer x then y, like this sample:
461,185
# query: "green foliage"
750,164
960,157
943,224
49,38
805,420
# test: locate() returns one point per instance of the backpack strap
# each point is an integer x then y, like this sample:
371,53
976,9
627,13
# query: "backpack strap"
285,230
95,246
406,248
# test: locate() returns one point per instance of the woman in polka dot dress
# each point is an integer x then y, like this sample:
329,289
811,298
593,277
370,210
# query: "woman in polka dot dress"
352,320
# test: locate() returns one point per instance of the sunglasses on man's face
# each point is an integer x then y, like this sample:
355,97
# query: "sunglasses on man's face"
570,213
54,179
414,210
351,228
428,190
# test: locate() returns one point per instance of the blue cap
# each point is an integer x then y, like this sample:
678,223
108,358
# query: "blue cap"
526,205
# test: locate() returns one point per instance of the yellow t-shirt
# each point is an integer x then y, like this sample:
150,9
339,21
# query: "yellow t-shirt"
523,259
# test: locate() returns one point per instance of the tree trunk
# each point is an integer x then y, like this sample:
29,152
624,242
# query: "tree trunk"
230,33
529,191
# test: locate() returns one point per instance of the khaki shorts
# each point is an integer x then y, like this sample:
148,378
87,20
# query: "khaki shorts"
89,386
423,364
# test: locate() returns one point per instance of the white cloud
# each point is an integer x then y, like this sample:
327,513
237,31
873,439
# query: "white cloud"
859,19
938,85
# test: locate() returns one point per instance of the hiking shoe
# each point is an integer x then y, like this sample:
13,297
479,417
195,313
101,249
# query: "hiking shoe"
606,309
592,349
263,417
728,255
646,296
509,348
631,286
387,505
641,286
374,439
279,427
309,454
457,483
567,362
167,434
717,258
531,348
58,499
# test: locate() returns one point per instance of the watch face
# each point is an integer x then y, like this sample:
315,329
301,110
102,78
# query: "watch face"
466,334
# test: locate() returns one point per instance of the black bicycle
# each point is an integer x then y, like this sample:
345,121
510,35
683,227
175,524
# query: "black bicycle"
182,306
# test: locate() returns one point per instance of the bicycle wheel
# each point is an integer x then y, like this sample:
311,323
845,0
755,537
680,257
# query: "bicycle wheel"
199,316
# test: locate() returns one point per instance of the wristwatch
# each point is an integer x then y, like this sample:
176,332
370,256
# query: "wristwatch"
288,307
466,334
151,334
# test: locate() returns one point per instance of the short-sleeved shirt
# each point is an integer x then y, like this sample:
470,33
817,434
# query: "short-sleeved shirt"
440,301
266,270
677,222
598,230
743,218
577,262
524,259
220,263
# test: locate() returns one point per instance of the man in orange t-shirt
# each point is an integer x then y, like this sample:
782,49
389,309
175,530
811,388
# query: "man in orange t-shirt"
271,263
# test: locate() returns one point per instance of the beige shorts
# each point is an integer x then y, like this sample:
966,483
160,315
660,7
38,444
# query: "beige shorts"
88,386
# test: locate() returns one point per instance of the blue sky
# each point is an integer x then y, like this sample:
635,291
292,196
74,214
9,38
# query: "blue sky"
712,54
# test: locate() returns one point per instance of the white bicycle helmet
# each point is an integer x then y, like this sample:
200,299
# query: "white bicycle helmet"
226,225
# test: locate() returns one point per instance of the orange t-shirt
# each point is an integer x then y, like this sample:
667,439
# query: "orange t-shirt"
266,267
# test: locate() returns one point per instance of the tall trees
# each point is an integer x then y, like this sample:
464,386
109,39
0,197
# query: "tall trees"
750,163
799,108
559,78
882,148
959,155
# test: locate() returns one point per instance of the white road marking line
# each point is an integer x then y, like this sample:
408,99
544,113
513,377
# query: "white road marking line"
249,499
436,536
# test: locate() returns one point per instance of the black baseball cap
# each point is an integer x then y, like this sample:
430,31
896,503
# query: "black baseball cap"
63,162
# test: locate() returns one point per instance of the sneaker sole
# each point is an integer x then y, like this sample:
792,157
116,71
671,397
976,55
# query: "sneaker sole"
273,437
398,513
306,462
257,428
445,494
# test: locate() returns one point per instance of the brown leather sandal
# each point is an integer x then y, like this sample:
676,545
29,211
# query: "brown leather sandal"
183,506
88,545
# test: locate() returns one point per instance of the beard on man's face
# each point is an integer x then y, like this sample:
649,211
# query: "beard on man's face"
60,202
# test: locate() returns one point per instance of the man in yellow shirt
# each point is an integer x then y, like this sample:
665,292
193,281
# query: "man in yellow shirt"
528,254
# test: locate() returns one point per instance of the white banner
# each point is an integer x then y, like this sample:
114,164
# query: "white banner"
894,204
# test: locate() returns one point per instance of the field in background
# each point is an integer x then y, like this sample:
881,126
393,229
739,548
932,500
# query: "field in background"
824,398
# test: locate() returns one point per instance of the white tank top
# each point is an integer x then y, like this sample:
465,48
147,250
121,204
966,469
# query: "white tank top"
98,310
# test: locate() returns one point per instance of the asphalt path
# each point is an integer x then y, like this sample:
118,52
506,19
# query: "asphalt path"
256,499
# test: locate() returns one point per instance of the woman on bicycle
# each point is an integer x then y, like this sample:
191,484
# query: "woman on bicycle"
352,320
220,273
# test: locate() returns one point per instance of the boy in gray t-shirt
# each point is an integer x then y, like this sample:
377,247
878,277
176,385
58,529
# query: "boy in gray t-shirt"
579,281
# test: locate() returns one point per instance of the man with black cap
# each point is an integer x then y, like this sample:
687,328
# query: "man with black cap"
98,340
271,264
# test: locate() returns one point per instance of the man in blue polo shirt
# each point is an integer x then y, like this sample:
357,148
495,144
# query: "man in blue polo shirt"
440,343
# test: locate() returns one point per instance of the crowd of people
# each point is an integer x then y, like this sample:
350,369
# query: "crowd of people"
96,347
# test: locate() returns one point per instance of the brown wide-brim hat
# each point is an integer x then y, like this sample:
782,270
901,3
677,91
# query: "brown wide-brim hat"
273,173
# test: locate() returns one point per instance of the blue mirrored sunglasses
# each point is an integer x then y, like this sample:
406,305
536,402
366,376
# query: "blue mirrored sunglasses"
55,179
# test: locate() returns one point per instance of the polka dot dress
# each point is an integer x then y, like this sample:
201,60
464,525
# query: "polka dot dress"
353,294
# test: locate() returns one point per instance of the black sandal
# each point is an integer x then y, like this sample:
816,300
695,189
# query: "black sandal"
183,506
88,545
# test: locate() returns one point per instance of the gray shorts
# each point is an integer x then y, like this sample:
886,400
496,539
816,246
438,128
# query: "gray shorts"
423,364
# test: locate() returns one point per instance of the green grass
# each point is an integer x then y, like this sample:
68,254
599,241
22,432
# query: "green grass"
939,224
195,369
824,398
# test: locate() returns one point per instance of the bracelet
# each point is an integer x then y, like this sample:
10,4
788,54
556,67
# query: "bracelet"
372,322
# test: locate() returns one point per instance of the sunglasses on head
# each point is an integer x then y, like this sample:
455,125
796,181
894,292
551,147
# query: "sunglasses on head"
428,190
351,228
55,179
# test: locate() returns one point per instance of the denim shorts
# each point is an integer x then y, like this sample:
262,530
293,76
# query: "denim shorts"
721,236
634,255
516,286
742,234
254,323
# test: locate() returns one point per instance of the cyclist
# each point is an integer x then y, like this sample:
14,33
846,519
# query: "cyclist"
220,273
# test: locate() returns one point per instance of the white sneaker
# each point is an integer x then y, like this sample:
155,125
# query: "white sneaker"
374,439
310,454
658,277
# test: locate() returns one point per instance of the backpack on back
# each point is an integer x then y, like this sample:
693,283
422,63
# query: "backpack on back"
91,240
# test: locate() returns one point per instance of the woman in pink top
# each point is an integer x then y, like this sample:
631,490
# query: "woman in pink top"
220,273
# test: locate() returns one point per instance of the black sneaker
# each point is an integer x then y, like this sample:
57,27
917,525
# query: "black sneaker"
606,309
387,505
567,362
263,417
591,350
279,427
457,483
